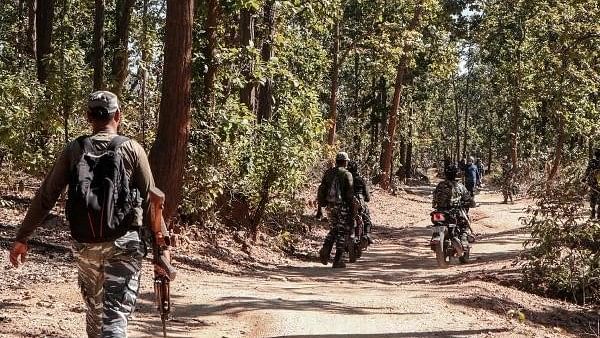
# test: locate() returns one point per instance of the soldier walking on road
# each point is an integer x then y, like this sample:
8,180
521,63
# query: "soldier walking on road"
507,180
105,218
336,191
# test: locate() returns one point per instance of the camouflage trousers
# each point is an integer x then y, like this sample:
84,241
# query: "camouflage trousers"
109,278
340,227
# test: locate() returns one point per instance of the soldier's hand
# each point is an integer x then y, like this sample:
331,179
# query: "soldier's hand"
18,253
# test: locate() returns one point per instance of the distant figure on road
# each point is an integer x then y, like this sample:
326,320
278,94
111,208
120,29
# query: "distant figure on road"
507,180
471,175
592,178
480,170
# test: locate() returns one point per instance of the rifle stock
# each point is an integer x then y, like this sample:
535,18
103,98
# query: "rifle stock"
164,272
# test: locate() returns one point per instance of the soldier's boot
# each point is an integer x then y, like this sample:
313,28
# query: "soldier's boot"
325,253
338,261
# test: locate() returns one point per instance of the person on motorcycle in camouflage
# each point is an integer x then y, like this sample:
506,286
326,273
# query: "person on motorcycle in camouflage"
451,194
361,193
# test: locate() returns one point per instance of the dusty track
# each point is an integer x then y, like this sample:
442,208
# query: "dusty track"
395,290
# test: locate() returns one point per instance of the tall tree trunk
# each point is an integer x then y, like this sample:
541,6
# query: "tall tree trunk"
389,140
168,154
98,58
401,73
248,93
466,121
143,72
457,120
265,93
44,18
31,28
121,57
213,14
558,151
409,145
335,74
489,141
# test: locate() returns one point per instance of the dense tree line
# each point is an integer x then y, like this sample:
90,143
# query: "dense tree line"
239,101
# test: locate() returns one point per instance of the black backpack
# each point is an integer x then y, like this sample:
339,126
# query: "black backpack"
334,192
100,203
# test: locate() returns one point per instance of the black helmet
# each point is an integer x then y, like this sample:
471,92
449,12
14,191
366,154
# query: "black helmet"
450,171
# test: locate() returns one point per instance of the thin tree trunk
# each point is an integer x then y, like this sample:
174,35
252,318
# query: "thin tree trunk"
401,73
489,140
558,152
212,20
98,58
389,140
143,72
168,153
44,20
335,74
248,93
466,121
121,56
457,115
409,145
31,28
265,93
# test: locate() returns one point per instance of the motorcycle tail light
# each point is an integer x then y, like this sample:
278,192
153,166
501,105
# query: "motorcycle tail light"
438,217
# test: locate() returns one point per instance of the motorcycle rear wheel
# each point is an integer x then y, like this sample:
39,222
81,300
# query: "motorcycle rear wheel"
440,255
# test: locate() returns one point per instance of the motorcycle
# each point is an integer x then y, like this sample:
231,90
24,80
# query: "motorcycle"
446,241
358,242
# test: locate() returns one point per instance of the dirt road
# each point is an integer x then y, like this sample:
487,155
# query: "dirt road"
395,290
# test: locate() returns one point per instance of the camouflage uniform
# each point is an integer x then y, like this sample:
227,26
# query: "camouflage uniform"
340,213
450,194
507,183
340,227
109,271
109,278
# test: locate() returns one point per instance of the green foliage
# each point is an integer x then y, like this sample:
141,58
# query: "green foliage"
563,257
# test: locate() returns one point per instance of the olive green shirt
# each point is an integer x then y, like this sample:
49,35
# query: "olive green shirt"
137,170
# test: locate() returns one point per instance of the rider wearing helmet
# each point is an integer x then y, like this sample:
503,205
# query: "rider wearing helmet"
451,193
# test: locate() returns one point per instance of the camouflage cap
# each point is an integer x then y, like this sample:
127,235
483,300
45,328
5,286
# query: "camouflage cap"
342,156
105,100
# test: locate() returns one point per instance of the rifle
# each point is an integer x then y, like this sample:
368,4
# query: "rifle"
164,272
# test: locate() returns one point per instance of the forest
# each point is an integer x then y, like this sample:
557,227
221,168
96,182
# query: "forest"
242,103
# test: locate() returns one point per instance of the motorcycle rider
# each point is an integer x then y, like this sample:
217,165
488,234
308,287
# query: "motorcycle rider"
361,193
451,194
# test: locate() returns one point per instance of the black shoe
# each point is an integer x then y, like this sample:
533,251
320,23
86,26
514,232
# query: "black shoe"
338,261
339,265
324,254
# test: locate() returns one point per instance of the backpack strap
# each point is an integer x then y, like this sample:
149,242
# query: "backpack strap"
116,142
85,143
